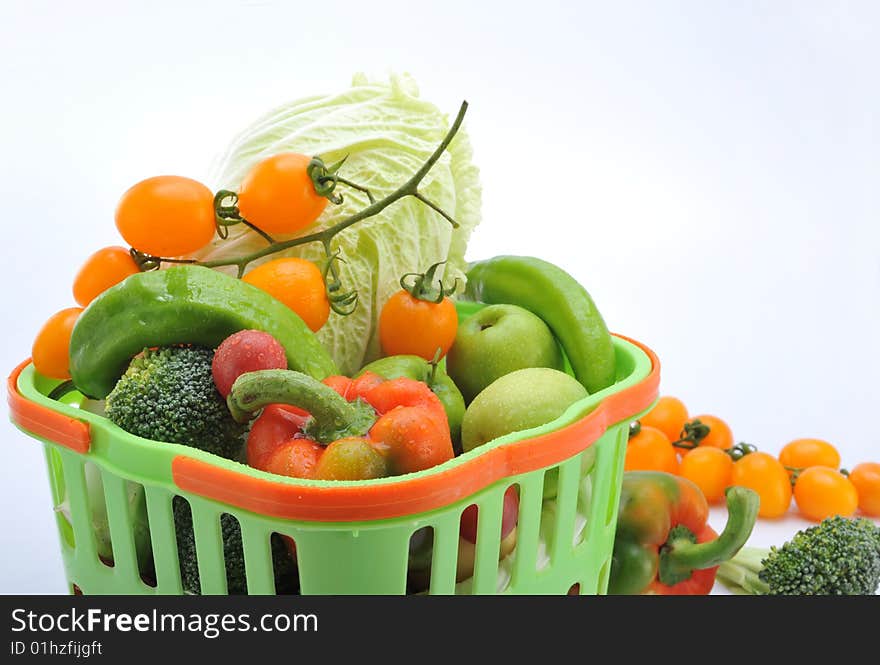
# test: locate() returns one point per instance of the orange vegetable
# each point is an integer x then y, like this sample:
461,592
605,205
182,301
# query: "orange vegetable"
278,194
420,319
166,216
710,469
297,283
103,269
765,474
668,415
866,479
720,434
650,450
803,453
822,492
351,458
51,350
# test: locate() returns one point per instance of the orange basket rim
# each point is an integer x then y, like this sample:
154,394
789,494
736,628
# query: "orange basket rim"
355,502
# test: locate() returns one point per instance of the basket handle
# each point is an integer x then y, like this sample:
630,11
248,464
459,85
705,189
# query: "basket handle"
42,421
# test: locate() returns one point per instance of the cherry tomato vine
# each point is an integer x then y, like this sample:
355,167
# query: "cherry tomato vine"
325,179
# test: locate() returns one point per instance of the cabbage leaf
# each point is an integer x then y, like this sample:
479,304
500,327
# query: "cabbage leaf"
386,132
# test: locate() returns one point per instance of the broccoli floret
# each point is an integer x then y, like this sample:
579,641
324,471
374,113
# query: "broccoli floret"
169,395
286,580
838,556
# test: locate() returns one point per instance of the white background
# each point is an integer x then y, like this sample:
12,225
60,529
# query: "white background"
709,170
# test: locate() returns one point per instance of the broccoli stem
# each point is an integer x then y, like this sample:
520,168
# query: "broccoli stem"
740,575
332,416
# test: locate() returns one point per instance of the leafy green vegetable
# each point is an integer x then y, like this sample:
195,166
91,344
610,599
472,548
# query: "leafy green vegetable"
385,132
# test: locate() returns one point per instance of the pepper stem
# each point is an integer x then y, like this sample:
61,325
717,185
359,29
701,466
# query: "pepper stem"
680,556
332,417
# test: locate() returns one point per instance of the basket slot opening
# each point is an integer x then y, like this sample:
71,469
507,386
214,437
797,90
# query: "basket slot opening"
232,551
488,545
129,528
76,501
186,546
419,560
468,533
612,473
200,547
162,520
562,504
60,500
98,514
283,565
584,495
444,554
525,562
498,514
257,558
604,575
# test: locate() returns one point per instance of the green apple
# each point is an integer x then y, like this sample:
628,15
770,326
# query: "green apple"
495,341
519,400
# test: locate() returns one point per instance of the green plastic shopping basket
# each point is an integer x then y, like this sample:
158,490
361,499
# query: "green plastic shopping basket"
351,537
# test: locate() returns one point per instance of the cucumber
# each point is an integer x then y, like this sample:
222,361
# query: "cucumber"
185,304
559,299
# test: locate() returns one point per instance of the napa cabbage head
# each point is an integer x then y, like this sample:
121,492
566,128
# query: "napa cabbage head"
386,132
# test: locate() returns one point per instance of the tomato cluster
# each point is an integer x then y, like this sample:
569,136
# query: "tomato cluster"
703,450
166,217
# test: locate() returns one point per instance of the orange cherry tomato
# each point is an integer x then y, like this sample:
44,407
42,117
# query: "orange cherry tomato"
821,492
866,478
278,196
765,474
297,283
51,350
720,435
166,216
650,450
668,415
409,326
803,453
710,469
103,269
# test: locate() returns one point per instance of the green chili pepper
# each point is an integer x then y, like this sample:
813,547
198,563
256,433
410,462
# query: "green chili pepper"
185,304
564,305
416,367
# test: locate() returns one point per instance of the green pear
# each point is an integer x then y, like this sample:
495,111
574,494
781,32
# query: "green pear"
519,400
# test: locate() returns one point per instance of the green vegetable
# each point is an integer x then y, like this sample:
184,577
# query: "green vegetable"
385,132
184,304
332,416
838,556
286,580
560,300
168,395
416,367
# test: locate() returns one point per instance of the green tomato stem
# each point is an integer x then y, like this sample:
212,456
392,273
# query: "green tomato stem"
409,188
